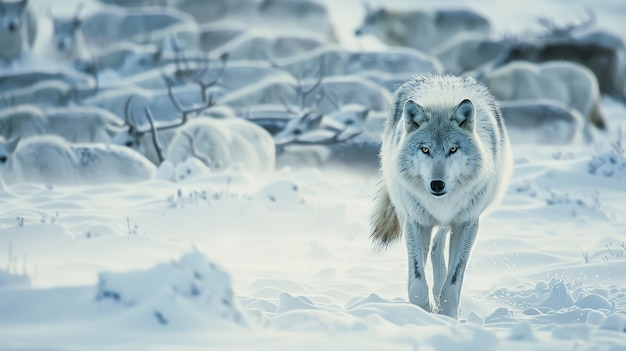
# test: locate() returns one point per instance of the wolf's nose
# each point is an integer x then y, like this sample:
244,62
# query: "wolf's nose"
437,186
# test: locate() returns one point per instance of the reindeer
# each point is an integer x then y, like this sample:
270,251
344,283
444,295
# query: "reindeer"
212,35
153,140
470,51
305,15
566,82
74,124
27,77
339,61
45,93
51,160
18,29
542,121
268,45
113,24
67,41
420,29
22,121
219,143
602,52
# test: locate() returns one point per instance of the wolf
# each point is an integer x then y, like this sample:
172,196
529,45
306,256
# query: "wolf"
445,157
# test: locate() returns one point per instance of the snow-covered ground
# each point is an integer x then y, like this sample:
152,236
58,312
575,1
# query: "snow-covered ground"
283,261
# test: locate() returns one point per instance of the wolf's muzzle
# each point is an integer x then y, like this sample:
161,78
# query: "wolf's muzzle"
437,186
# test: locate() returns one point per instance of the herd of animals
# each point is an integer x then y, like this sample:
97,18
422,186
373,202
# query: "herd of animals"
122,89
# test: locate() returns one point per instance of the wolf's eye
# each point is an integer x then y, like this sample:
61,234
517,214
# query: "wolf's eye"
3,159
453,149
425,150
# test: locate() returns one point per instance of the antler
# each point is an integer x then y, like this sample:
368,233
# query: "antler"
557,30
193,150
301,92
185,112
155,134
195,76
49,13
129,120
79,9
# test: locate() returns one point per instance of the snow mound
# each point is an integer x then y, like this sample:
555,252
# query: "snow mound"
188,292
560,302
189,170
283,194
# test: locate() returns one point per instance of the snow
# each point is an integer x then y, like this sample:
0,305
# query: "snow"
282,261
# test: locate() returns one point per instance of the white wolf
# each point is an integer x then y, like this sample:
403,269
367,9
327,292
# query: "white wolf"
445,157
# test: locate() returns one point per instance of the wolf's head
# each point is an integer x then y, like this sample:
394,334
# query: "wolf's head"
438,147
7,148
11,15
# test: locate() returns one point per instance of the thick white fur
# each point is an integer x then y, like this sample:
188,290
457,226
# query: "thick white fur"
476,176
51,160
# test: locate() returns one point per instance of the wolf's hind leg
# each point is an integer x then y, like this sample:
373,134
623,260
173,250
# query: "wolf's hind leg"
462,240
440,269
418,244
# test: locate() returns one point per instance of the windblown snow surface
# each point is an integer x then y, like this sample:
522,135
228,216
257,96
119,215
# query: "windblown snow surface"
233,261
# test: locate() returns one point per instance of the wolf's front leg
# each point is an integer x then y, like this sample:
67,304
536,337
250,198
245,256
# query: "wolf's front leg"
461,242
440,270
418,243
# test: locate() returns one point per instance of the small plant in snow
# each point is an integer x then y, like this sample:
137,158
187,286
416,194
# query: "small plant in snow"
560,155
591,204
611,162
20,221
132,230
52,220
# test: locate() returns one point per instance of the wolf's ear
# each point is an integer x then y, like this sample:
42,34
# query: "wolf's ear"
12,144
464,115
413,113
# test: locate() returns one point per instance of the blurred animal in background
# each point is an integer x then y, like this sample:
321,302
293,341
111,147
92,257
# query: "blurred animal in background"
52,160
420,29
74,124
68,45
569,83
18,29
542,122
269,80
602,52
113,24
